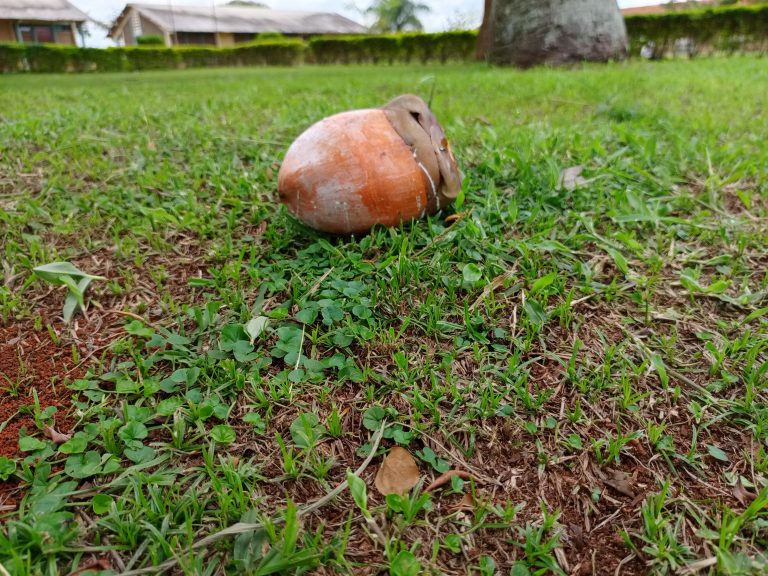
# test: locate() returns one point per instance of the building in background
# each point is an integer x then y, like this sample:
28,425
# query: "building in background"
679,5
222,26
40,22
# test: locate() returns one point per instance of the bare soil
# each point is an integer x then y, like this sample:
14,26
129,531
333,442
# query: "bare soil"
31,361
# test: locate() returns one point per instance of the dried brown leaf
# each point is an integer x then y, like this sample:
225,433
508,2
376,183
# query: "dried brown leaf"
621,482
445,478
95,566
699,565
451,218
398,472
576,534
742,494
55,435
493,285
562,559
466,504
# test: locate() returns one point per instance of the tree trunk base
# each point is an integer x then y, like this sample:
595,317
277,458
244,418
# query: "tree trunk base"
529,33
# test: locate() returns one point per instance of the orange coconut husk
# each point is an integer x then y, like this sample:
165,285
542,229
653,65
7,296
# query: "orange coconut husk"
353,170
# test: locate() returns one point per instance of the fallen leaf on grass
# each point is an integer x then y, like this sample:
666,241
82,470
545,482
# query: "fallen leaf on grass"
621,482
55,435
492,286
576,534
742,494
699,565
466,504
398,473
256,327
95,566
562,559
451,218
570,178
445,478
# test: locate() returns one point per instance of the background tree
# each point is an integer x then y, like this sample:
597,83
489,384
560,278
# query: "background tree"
484,36
397,15
531,32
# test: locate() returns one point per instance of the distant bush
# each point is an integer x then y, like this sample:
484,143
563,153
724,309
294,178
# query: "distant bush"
109,60
442,47
12,57
720,29
202,57
391,48
150,40
268,52
149,58
380,48
270,36
59,58
333,49
51,57
456,45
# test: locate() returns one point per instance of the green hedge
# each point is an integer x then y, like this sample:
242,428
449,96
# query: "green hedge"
58,58
354,49
151,58
98,60
270,50
150,40
390,48
719,29
441,47
268,53
12,57
50,58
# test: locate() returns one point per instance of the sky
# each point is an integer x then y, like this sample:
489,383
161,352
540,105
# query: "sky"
445,14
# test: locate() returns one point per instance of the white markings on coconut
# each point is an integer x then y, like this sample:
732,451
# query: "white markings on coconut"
431,183
346,217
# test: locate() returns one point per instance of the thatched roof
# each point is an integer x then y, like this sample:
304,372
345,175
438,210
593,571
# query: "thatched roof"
240,19
40,10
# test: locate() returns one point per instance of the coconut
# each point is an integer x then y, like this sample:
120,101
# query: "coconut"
353,170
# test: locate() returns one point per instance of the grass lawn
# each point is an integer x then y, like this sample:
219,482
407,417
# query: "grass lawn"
591,355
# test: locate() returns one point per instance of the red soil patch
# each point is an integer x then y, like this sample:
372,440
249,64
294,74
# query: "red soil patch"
29,361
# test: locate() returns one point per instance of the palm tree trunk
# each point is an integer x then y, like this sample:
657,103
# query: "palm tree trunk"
532,32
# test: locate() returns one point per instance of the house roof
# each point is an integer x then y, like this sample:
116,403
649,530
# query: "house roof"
667,7
40,10
244,19
656,9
